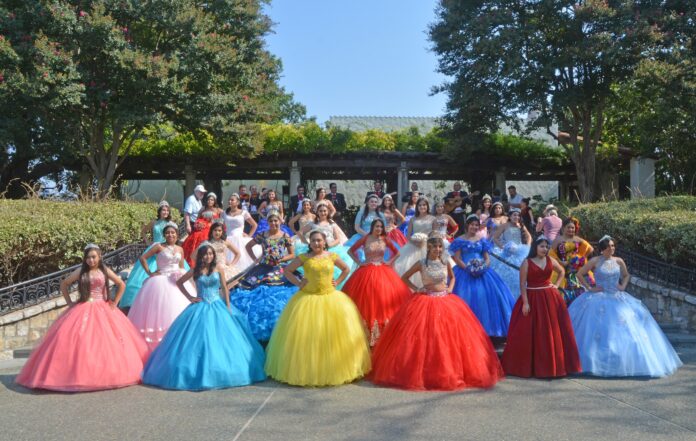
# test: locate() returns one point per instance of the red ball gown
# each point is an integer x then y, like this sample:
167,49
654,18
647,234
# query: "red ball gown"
91,346
201,230
541,344
435,342
375,287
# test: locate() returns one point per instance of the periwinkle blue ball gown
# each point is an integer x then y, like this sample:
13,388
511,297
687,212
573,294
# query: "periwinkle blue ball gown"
207,347
365,224
410,212
137,276
616,334
484,291
514,252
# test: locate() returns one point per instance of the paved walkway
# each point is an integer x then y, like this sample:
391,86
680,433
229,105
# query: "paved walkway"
574,408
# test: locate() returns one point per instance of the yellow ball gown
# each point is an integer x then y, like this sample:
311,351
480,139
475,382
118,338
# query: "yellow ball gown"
319,339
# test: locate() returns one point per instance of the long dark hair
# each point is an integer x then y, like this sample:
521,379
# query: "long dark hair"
202,251
374,222
214,226
427,204
239,202
535,244
84,284
159,212
366,208
434,240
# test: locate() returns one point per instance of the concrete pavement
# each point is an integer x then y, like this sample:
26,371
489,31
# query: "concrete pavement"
575,408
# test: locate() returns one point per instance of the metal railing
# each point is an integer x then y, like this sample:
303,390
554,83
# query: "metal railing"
40,289
654,270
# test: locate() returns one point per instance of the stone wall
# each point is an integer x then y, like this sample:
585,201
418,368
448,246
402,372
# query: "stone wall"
666,305
25,327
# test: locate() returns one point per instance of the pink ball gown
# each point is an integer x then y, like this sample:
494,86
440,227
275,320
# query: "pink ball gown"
159,301
91,346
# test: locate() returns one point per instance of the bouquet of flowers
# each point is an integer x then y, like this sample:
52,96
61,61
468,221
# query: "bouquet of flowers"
476,267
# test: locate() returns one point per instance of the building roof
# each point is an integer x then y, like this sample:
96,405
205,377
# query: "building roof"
424,124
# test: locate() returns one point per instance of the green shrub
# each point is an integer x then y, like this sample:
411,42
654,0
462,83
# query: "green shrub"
663,227
38,237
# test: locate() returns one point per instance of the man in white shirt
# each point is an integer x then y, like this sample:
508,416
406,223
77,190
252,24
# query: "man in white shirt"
515,199
193,206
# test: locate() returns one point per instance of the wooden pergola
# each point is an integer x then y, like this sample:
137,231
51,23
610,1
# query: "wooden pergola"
396,169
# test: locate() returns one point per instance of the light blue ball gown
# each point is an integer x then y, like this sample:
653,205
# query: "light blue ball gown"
207,347
514,252
365,225
410,212
616,334
484,291
137,276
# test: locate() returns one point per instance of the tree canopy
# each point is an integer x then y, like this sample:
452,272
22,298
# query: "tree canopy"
554,60
88,77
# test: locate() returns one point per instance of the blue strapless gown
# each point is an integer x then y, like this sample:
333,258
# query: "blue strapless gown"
263,227
486,294
616,335
137,276
207,347
410,212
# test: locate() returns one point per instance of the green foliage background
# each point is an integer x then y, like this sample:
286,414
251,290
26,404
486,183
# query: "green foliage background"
663,227
38,237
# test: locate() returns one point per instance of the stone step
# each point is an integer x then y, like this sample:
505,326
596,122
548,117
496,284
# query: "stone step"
671,327
22,352
681,339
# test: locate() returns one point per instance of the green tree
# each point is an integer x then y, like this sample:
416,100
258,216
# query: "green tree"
556,60
200,66
654,112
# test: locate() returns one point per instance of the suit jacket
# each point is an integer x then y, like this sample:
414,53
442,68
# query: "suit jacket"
338,201
295,204
466,200
407,197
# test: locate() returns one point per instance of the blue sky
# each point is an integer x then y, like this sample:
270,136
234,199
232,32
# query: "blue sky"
357,57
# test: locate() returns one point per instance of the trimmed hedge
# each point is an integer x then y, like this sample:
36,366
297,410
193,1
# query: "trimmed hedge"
38,237
663,227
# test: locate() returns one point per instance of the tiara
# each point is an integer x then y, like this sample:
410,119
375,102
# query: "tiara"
542,237
218,221
436,234
163,204
205,243
486,196
515,210
273,212
235,195
171,224
472,216
211,194
497,203
91,246
606,237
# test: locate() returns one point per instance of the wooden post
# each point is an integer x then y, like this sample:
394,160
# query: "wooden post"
402,182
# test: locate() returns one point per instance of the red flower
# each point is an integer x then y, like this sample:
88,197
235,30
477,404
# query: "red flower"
83,14
245,98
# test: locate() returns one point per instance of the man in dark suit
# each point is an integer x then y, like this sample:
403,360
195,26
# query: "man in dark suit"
296,201
339,203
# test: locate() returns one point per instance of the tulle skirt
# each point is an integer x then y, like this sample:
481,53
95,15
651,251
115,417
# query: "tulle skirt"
541,344
378,292
319,341
207,347
514,254
89,347
397,236
435,343
618,337
240,242
137,277
193,241
158,304
262,306
488,297
263,227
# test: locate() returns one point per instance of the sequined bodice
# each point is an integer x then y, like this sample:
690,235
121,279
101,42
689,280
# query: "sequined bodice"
440,225
512,235
270,206
209,215
318,273
369,218
158,230
168,261
220,251
374,250
607,275
327,229
470,250
97,286
208,287
234,224
422,224
433,272
304,221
